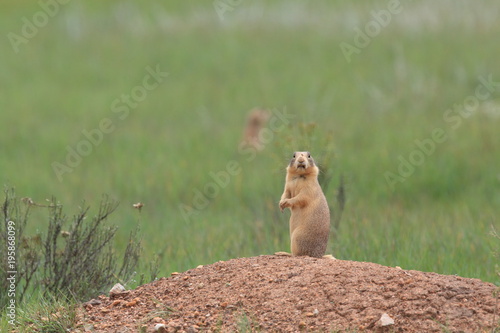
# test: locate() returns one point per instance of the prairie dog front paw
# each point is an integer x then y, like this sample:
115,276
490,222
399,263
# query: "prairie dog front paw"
284,204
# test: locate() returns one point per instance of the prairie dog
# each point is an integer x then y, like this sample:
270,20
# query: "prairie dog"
310,218
256,120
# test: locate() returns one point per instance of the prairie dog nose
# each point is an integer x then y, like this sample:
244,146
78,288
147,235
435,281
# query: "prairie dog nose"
301,159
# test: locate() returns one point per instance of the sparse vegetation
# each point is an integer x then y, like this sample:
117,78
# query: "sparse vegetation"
247,324
48,315
73,258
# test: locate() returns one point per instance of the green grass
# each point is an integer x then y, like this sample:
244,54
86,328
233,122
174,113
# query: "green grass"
47,315
283,55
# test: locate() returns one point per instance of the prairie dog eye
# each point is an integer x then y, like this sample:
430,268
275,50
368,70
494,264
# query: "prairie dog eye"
308,155
293,155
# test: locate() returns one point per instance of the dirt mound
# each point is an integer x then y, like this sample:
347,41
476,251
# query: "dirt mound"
290,294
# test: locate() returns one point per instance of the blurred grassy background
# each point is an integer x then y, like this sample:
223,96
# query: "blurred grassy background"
283,55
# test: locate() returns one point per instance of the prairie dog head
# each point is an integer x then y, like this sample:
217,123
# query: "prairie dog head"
302,164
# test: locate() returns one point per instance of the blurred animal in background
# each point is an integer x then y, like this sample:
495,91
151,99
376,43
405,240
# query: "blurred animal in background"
256,121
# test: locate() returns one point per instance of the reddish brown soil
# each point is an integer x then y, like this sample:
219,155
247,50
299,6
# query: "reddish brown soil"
291,294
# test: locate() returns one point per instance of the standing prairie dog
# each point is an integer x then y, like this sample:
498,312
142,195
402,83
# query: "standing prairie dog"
310,219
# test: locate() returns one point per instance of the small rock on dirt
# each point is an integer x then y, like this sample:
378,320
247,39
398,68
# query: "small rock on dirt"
385,320
117,289
161,328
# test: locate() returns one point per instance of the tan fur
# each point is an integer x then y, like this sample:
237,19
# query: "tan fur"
256,121
310,218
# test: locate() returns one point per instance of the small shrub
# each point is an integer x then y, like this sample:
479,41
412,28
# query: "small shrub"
74,258
23,252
